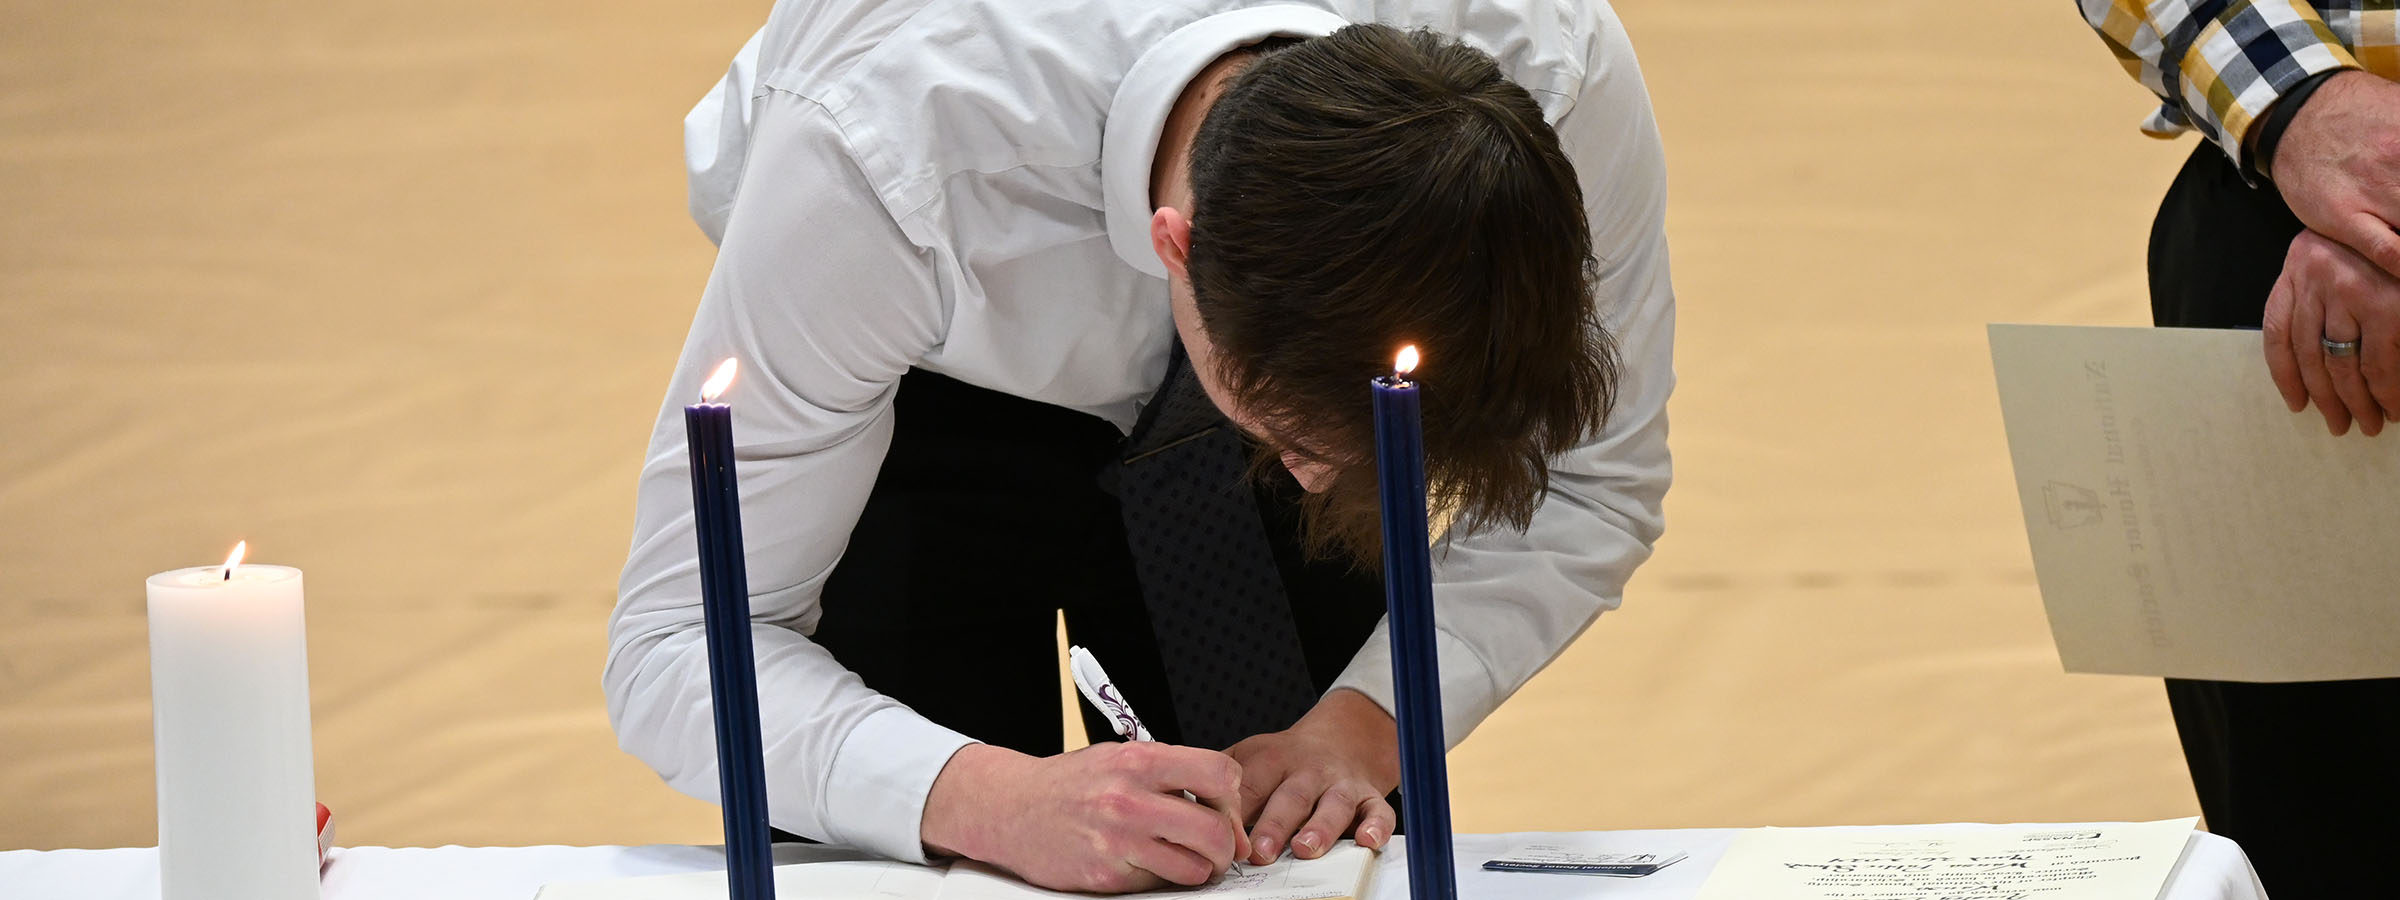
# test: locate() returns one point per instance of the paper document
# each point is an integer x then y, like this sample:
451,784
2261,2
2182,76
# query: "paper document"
847,880
1340,874
1964,862
2184,523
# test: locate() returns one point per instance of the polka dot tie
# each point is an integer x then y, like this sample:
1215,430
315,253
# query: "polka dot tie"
1226,638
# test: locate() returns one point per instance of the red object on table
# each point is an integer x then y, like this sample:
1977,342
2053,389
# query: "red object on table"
324,832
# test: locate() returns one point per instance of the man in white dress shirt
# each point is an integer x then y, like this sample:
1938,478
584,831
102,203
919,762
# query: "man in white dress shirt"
962,245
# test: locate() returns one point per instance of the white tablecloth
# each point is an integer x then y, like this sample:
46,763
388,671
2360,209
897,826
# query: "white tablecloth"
2212,868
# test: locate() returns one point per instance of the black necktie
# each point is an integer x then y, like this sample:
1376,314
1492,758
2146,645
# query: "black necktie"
1226,638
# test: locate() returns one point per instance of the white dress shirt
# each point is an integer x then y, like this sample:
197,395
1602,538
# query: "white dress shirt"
962,186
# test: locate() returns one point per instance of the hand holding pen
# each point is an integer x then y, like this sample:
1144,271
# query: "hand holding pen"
1109,818
1312,810
1093,683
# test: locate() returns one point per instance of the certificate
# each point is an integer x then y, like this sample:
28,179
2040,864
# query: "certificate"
2184,522
1962,862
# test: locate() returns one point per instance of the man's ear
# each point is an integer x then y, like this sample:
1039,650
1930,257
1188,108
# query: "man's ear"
1171,238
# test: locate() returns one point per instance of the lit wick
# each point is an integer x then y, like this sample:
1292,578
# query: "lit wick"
1405,364
717,383
235,559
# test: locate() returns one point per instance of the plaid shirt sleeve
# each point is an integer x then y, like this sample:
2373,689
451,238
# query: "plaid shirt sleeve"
2217,64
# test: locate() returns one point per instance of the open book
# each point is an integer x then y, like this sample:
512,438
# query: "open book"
1341,874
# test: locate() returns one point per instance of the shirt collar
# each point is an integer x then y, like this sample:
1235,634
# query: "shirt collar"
1129,143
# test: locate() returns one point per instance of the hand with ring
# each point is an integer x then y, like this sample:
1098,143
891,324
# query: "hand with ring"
2332,335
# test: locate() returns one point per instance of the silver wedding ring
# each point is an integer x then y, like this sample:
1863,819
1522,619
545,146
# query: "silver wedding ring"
2339,348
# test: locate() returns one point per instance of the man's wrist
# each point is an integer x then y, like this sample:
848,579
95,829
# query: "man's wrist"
959,809
2282,121
1356,722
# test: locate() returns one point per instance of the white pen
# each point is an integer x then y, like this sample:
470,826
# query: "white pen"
1102,693
1092,682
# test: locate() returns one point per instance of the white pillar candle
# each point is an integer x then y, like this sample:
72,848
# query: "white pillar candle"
229,696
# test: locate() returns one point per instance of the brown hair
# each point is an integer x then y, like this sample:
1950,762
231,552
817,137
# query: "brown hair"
1374,188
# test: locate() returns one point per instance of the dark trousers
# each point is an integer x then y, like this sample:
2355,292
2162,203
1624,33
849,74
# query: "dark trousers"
986,522
2305,776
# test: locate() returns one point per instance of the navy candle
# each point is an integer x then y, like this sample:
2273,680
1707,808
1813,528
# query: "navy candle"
1408,601
732,674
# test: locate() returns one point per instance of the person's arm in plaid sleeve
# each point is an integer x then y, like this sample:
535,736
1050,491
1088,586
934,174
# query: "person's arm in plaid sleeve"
2217,65
2221,66
2246,68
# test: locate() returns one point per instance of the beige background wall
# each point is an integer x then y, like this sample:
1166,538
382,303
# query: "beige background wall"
392,290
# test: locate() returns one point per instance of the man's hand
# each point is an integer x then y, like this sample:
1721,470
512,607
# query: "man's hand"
2338,165
1107,818
1308,785
2327,292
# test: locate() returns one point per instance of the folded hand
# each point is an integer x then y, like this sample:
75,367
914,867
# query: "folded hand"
2328,292
1323,778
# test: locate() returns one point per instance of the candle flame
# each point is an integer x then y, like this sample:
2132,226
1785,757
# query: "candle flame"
1407,362
235,558
718,382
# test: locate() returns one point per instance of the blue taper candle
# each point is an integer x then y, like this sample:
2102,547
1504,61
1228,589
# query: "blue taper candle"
732,673
1408,602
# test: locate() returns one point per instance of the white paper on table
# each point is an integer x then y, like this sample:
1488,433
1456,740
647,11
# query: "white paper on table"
841,880
1340,874
1999,862
2184,522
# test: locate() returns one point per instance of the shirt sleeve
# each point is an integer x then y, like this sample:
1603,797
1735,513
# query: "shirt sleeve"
1507,602
2216,66
716,141
826,303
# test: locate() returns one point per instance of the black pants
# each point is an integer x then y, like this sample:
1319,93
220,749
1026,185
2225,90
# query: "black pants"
986,522
2305,776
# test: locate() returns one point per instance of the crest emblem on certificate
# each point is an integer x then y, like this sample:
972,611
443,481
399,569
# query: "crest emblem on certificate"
2071,506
